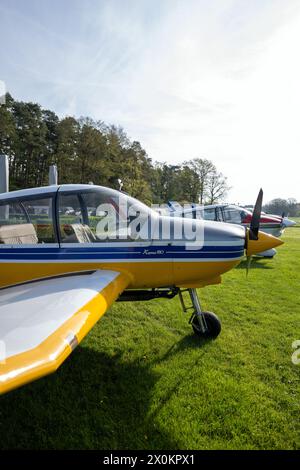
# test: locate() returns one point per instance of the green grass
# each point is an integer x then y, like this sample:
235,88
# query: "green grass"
142,380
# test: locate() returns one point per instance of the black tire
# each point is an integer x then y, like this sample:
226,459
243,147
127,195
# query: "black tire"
213,324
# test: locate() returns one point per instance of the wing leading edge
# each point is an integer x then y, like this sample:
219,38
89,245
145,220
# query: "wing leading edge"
42,322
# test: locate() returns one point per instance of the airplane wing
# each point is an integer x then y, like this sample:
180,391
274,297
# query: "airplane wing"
41,322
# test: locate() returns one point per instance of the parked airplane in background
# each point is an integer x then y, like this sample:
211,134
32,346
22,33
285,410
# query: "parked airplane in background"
233,214
62,267
285,221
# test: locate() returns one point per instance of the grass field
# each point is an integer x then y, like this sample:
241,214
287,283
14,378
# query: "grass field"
142,380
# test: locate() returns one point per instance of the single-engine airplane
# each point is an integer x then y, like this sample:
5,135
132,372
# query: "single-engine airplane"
68,252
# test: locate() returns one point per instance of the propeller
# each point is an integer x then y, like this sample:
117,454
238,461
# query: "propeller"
248,265
254,225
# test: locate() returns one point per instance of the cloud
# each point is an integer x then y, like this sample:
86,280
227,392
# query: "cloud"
186,78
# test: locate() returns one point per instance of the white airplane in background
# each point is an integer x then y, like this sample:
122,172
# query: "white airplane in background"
233,214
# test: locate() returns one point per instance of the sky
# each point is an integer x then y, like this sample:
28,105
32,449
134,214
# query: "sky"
216,79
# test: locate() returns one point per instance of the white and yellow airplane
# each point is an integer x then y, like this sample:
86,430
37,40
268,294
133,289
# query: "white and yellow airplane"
63,263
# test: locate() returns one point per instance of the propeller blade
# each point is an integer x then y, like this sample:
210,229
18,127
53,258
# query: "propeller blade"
254,226
249,259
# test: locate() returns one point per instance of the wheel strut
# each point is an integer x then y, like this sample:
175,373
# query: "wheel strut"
195,307
204,324
197,311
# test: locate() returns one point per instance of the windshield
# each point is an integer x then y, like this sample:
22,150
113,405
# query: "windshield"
101,214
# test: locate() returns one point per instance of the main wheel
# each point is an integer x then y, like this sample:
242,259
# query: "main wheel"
213,325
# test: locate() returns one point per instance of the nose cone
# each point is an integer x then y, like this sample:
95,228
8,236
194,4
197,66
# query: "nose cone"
288,222
265,242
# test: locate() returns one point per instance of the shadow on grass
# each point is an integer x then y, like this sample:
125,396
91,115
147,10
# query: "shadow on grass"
93,401
256,263
188,342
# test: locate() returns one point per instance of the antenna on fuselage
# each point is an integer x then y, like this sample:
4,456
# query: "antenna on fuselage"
4,174
4,184
53,175
120,184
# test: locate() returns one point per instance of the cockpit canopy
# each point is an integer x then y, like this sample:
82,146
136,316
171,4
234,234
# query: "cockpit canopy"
67,214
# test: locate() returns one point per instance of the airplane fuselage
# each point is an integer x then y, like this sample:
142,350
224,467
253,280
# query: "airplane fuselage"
56,230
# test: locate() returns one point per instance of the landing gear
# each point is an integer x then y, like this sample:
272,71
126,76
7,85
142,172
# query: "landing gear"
205,324
212,322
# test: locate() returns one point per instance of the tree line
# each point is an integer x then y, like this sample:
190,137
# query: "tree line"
285,207
86,150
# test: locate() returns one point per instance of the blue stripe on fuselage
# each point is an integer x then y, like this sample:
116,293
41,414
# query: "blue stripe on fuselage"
117,249
127,252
